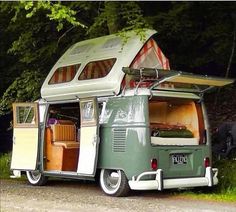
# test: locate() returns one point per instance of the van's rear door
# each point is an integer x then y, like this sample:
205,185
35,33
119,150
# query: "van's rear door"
189,82
25,136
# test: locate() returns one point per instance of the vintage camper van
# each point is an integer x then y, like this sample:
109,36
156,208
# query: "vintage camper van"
113,109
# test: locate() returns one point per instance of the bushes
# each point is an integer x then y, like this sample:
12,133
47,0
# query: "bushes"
5,160
227,175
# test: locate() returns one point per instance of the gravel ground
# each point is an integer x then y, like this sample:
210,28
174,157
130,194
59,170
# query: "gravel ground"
18,195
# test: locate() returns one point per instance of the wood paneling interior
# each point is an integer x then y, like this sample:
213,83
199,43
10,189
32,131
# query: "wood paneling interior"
201,124
62,150
63,133
184,114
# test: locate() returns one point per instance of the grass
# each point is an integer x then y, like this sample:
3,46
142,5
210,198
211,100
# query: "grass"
224,191
228,195
5,160
227,174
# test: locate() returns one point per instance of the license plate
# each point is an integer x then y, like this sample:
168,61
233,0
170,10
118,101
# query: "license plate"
179,159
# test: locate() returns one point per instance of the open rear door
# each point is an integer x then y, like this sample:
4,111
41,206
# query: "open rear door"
159,79
25,136
89,138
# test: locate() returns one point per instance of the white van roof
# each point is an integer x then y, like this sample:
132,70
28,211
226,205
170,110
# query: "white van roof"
111,47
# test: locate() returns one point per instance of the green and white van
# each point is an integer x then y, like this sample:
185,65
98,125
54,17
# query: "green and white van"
113,109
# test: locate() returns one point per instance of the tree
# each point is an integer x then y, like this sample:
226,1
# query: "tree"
43,30
196,35
35,47
193,35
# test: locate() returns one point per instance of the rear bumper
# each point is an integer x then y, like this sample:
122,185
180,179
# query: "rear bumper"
159,183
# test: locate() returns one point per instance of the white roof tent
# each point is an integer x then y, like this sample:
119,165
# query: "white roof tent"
94,67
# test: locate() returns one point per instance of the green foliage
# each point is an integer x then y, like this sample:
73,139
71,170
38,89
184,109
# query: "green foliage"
5,160
196,34
193,35
32,43
118,17
7,62
57,12
133,17
227,175
226,188
213,195
24,88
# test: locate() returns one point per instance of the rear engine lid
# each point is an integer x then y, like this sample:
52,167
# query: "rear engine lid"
182,162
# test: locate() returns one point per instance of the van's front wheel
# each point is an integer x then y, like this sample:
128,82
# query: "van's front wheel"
114,182
36,178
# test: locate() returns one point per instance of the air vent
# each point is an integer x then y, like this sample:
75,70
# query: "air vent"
112,43
81,49
119,139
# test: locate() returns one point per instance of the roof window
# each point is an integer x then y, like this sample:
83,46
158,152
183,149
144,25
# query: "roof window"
97,69
64,74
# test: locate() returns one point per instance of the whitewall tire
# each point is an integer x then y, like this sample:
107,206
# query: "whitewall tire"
114,182
36,178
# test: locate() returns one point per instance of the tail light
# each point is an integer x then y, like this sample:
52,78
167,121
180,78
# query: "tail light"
154,164
207,162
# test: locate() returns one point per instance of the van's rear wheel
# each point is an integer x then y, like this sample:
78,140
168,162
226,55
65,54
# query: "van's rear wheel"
114,182
36,178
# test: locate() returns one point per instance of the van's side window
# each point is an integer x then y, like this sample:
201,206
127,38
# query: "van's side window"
64,74
25,114
87,111
97,69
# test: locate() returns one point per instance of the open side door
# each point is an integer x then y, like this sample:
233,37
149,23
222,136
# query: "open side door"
160,79
25,136
89,138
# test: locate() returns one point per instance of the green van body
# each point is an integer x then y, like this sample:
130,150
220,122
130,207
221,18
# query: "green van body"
126,143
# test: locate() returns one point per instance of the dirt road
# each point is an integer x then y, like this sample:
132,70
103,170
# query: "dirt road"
86,196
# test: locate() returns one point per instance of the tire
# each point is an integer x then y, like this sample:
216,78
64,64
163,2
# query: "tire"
114,182
36,178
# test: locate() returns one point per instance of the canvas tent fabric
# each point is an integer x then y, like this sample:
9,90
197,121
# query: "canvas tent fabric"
151,56
94,67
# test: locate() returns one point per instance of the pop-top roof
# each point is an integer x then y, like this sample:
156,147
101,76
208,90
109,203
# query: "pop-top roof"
94,67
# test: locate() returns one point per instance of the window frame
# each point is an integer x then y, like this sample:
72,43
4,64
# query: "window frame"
25,125
76,71
94,61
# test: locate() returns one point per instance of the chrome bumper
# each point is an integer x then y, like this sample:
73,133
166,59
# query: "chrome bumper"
16,174
159,183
